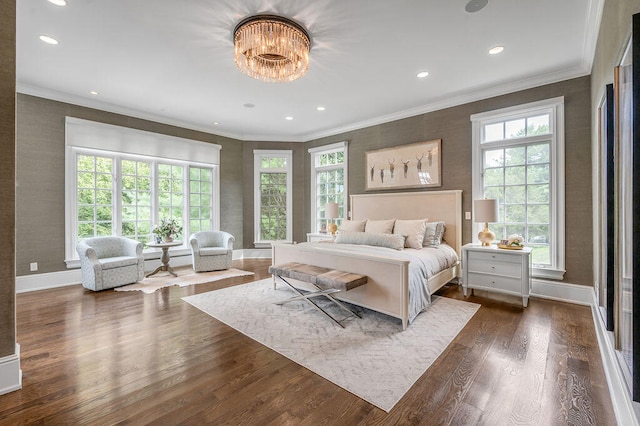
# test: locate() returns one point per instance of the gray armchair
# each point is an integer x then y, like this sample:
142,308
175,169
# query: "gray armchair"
108,262
211,250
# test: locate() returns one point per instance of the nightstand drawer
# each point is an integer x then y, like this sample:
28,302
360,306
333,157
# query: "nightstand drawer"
495,267
496,282
492,256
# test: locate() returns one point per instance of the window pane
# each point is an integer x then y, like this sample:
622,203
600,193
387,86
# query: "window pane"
515,194
538,125
515,175
538,173
538,213
538,153
493,132
493,177
494,158
515,213
515,128
538,193
514,156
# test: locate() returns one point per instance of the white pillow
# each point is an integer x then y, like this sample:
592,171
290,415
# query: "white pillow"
433,235
414,231
392,241
380,226
353,225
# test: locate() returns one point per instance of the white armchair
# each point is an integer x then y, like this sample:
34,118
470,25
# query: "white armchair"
108,262
211,250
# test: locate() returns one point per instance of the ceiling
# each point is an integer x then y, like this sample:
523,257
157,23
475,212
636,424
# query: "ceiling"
172,61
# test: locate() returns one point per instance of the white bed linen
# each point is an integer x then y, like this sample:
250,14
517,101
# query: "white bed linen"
423,264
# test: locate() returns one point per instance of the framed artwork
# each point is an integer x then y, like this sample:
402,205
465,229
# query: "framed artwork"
416,165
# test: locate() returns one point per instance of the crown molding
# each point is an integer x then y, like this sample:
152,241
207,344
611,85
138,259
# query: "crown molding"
452,101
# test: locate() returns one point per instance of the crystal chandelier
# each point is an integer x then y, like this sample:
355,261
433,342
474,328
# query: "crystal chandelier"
271,48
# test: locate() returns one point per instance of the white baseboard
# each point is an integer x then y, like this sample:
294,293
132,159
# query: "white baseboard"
562,292
10,372
50,280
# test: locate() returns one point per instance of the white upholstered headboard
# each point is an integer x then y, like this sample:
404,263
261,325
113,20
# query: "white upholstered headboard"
433,205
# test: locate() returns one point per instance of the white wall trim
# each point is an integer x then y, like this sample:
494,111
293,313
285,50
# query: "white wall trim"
623,406
10,372
45,281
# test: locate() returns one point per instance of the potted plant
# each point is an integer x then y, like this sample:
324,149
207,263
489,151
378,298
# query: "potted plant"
167,229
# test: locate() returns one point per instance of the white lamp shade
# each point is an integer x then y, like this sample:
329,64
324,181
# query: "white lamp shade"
485,210
331,210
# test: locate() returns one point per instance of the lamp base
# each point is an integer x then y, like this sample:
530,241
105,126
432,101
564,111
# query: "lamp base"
332,228
485,236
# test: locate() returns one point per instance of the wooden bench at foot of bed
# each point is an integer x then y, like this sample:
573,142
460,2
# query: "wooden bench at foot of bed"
325,280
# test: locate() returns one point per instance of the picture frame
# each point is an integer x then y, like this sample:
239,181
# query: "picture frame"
416,165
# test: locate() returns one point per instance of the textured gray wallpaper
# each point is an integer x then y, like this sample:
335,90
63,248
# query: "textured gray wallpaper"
7,176
41,181
453,126
40,159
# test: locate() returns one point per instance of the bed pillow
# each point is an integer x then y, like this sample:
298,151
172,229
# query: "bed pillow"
380,226
353,225
433,235
392,241
413,230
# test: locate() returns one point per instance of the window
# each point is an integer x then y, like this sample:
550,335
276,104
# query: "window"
94,194
328,183
112,192
136,199
518,159
272,196
200,198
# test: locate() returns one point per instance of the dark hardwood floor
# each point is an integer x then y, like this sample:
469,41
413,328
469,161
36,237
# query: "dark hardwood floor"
132,358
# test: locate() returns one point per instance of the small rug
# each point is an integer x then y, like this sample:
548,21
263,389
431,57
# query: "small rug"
186,276
372,357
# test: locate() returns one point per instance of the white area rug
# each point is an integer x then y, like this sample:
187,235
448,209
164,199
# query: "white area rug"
372,357
186,276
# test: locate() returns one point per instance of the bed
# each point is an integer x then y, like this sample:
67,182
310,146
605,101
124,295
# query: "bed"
392,288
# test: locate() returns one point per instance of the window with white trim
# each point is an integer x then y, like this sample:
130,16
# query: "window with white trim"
518,159
119,191
328,183
273,183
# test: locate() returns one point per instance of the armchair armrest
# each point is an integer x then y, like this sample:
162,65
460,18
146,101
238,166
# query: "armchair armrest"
87,252
227,240
132,248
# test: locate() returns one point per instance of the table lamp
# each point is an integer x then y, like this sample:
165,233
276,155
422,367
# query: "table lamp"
485,211
331,212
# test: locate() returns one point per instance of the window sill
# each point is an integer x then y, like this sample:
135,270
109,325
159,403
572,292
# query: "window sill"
548,274
148,254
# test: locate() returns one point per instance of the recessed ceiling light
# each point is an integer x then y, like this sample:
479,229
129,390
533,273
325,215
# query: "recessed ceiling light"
321,108
496,50
422,74
249,105
93,92
476,5
58,2
48,40
289,118
215,123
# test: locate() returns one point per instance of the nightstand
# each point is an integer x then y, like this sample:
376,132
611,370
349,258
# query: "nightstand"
315,237
493,269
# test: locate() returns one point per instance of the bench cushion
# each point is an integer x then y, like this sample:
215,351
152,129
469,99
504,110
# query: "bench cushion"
324,278
117,262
